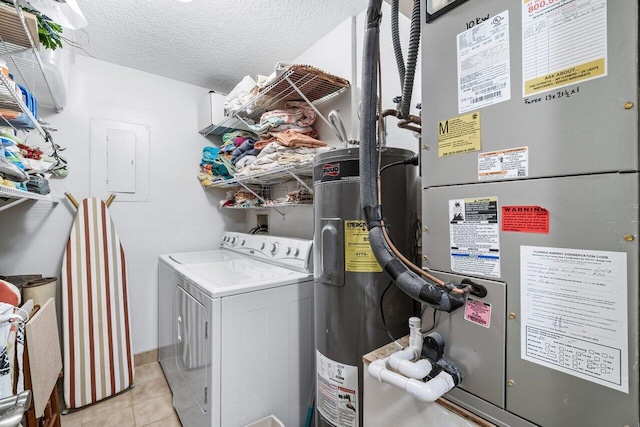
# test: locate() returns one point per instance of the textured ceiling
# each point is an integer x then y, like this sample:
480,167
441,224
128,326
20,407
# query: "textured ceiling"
209,43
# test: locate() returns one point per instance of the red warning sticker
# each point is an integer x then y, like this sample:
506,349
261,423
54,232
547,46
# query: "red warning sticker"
525,219
478,312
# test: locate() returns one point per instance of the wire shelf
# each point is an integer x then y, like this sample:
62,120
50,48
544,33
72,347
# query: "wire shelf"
273,205
12,193
269,176
12,101
289,193
315,86
19,46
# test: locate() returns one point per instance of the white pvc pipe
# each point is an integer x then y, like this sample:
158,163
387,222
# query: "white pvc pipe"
403,361
417,370
415,334
429,391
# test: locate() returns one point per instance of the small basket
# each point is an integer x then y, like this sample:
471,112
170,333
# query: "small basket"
270,421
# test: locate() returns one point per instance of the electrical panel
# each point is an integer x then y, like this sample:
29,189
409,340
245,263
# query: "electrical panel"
530,183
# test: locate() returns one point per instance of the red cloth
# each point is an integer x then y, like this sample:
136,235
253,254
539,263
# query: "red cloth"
9,293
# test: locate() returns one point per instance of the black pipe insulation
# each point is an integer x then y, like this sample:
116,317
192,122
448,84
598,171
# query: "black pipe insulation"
412,284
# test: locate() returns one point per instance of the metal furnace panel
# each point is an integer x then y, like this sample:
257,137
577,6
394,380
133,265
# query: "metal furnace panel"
586,213
476,344
578,129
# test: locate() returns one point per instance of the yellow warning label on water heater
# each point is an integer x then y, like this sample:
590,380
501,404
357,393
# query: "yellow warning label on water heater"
358,255
459,135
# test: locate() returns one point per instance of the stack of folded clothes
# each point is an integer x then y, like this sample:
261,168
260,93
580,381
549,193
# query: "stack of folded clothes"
23,167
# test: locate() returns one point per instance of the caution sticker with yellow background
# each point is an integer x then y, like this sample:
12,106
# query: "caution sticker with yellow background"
459,135
358,255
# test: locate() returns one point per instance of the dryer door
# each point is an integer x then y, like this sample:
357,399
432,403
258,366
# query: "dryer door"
192,345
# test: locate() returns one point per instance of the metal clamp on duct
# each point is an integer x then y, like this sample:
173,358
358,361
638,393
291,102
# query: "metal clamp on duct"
409,369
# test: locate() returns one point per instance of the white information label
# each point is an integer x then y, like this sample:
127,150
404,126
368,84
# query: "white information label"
574,313
337,391
474,236
484,70
503,164
581,25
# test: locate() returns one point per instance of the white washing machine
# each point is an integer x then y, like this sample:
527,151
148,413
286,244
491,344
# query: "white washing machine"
236,331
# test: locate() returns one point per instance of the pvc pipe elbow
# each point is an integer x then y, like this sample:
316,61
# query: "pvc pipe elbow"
376,367
403,355
432,390
417,370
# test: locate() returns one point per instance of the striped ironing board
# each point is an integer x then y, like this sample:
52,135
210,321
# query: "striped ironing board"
98,361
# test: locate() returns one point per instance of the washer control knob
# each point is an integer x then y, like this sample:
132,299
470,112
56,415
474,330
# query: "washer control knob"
233,240
288,251
296,252
243,242
262,246
274,248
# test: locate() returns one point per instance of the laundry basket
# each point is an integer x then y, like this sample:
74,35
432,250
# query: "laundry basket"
270,421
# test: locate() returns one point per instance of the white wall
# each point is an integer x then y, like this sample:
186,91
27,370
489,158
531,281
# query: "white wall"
180,215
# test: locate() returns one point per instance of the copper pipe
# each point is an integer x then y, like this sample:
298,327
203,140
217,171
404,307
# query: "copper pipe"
408,126
390,112
408,263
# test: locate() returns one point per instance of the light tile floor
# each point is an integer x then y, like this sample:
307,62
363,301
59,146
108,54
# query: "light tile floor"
148,404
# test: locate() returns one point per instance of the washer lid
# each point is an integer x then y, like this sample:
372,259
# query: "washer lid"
187,258
239,275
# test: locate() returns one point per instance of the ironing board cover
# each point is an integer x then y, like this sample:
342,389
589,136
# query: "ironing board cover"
98,361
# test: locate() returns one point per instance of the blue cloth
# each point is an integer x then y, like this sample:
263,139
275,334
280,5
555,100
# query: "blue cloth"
247,148
209,154
222,167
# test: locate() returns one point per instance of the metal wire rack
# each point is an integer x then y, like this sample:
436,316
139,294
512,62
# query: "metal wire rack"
22,196
19,46
300,82
271,186
269,176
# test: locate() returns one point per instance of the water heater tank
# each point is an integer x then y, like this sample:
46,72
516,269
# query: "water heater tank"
349,282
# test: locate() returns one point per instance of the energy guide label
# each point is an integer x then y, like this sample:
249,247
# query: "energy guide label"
358,255
337,391
474,236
